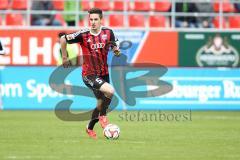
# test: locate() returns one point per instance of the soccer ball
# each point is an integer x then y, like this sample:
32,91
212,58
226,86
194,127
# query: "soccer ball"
111,131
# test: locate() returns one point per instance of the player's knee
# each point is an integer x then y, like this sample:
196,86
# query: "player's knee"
110,92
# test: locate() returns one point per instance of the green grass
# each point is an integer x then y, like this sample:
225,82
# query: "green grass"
41,135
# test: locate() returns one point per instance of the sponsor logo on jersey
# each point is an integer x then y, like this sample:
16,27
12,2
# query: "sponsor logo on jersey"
74,35
217,53
70,37
97,46
84,30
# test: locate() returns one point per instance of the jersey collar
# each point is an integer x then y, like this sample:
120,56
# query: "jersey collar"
96,34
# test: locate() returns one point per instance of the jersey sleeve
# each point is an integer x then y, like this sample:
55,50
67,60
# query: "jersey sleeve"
112,36
113,39
75,37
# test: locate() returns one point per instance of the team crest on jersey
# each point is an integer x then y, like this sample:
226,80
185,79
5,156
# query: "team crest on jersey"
104,37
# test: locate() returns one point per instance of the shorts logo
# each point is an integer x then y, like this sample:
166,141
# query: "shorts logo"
89,81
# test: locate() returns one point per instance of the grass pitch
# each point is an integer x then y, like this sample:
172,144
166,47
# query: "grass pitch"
41,135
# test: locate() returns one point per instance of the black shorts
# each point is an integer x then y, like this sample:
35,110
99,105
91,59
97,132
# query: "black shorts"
94,82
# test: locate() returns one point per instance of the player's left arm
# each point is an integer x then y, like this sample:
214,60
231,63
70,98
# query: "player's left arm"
115,47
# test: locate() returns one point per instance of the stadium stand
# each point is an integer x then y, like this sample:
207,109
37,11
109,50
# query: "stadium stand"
58,4
141,6
4,4
116,20
60,18
234,22
102,4
117,5
1,21
86,5
162,6
216,22
157,21
14,19
136,13
227,6
19,4
136,20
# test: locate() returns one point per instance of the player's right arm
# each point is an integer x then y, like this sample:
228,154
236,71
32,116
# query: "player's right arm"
63,43
69,38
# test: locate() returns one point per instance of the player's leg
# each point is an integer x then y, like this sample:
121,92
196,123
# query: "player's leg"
103,92
94,118
108,92
91,124
89,81
101,110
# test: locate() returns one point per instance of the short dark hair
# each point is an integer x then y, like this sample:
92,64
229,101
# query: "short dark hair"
96,11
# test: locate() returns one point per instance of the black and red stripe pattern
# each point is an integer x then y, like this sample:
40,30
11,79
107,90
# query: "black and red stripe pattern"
94,50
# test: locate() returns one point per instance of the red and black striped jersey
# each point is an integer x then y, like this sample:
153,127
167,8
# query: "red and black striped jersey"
94,49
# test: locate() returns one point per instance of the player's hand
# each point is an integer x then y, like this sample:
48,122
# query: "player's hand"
116,51
66,62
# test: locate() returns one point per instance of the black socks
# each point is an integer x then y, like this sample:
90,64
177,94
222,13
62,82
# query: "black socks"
94,119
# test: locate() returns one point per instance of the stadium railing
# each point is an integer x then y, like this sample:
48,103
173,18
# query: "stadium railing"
138,14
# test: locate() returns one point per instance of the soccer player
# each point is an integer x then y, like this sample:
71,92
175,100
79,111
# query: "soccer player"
94,42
